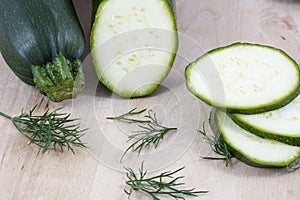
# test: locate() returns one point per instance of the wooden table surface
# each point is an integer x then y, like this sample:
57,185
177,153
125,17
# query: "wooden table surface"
96,173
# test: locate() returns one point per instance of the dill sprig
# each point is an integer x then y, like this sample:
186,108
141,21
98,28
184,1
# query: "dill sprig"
218,145
50,131
294,165
127,117
164,184
151,133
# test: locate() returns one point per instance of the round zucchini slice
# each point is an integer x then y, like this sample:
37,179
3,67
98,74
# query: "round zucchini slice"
252,149
244,78
282,124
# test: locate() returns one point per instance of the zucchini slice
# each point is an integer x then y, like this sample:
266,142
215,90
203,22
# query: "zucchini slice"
252,149
244,78
282,124
134,44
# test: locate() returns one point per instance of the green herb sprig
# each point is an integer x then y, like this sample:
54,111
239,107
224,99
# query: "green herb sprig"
127,117
294,165
50,131
164,184
151,133
218,145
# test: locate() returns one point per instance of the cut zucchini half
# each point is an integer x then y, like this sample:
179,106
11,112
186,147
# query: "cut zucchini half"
282,124
252,149
134,44
244,78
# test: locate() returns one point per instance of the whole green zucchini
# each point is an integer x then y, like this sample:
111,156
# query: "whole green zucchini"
42,42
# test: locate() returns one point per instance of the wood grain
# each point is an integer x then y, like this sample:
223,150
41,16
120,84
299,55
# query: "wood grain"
26,173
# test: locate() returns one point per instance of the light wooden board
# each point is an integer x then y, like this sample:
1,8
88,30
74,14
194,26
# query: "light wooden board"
26,173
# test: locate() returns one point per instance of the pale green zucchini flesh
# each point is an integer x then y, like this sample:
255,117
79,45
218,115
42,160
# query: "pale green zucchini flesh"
133,45
252,149
244,78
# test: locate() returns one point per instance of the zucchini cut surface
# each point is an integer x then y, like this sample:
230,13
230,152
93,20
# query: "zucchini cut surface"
244,78
260,151
133,44
282,124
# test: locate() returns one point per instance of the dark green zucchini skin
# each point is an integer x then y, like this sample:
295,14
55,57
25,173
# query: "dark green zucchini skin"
95,5
35,32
